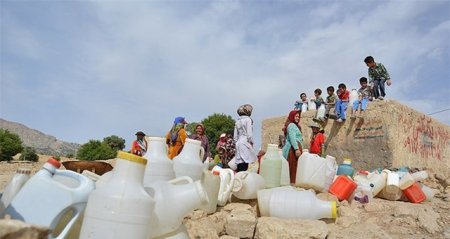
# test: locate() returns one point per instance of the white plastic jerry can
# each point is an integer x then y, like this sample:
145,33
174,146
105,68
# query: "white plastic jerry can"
159,166
285,176
247,184
190,161
43,200
311,172
211,183
271,166
14,185
120,208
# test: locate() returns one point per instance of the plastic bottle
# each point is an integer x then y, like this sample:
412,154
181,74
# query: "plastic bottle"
14,185
429,193
392,183
43,200
346,168
406,181
378,180
311,104
211,183
362,193
173,201
321,112
226,184
159,166
343,187
271,166
247,184
330,172
311,172
353,97
420,176
285,178
189,161
300,204
264,196
120,208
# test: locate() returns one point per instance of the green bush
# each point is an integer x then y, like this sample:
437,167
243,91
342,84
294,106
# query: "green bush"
70,155
57,157
115,142
96,150
10,145
215,125
29,154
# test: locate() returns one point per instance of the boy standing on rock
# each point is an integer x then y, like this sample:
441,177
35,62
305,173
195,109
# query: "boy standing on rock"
378,75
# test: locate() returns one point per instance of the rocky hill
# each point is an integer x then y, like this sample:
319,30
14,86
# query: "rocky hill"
43,143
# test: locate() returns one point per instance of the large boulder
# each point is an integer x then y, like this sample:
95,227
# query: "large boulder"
389,135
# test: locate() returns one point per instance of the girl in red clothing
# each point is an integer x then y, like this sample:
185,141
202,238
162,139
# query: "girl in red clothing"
317,140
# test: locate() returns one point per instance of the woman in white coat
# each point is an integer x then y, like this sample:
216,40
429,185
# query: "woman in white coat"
243,136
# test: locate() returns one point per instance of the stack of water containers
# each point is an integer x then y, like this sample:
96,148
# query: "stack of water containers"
48,196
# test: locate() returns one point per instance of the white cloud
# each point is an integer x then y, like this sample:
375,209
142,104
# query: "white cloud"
137,65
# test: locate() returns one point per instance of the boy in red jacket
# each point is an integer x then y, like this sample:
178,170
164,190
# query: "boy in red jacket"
342,102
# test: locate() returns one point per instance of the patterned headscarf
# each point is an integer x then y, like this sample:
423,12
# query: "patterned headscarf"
245,110
291,119
178,124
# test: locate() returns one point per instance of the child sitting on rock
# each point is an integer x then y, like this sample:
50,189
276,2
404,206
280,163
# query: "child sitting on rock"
363,98
342,102
299,103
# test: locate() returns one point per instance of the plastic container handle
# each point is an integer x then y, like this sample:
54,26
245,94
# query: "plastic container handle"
181,179
202,153
84,181
237,185
77,212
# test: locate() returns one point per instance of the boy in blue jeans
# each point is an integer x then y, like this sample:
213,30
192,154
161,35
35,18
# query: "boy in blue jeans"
378,75
342,102
363,98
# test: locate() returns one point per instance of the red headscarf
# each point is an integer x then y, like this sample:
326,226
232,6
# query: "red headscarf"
291,119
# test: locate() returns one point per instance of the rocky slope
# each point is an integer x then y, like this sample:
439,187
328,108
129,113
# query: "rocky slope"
43,143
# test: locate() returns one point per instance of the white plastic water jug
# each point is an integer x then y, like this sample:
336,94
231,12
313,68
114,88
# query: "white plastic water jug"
406,181
321,112
120,208
311,104
353,96
271,166
173,201
43,200
211,183
378,180
304,107
226,184
429,193
311,172
190,161
232,164
285,176
420,176
247,184
159,166
264,196
330,171
392,183
14,185
300,204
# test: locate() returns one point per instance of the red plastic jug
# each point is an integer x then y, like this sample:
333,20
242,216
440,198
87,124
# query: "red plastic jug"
342,187
415,194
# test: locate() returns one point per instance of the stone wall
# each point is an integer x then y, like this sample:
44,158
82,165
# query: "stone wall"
389,135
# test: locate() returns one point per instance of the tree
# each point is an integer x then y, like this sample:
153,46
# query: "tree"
29,154
10,145
115,142
96,150
215,125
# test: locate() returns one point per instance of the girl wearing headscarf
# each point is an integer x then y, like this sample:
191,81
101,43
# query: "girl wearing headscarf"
293,147
243,136
176,137
200,136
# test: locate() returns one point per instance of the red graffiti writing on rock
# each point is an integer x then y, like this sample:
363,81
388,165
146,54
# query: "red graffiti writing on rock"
422,138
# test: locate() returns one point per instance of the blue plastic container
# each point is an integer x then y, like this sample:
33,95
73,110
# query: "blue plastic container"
346,168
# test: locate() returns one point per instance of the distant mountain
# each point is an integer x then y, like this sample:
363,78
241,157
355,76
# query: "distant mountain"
43,143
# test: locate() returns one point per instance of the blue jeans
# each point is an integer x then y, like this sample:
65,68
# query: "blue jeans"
341,108
378,83
364,102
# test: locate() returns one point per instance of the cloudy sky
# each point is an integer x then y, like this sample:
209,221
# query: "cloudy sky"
81,70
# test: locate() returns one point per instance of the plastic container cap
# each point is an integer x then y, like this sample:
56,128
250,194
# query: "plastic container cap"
333,210
216,172
347,161
131,157
54,162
